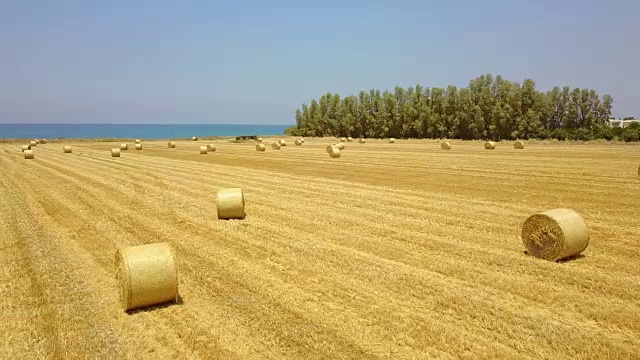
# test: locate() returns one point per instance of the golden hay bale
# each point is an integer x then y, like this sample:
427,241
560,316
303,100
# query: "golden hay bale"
343,139
33,143
230,203
26,147
489,145
298,142
115,152
66,149
340,146
518,145
124,146
283,143
276,146
328,148
334,152
555,234
203,149
445,145
361,141
211,147
259,140
28,154
138,146
195,138
138,141
146,275
302,140
171,144
260,147
392,140
43,141
349,139
37,141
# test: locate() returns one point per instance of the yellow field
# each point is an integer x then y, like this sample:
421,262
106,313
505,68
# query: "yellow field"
393,251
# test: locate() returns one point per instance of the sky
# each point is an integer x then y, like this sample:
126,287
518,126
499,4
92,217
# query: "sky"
256,62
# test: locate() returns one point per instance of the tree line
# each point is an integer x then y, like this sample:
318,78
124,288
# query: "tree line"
489,108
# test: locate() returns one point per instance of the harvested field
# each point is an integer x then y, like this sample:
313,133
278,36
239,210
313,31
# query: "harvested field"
402,251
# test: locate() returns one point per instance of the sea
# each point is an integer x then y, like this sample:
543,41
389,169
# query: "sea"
144,131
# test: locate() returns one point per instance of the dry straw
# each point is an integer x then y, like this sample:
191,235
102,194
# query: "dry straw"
66,149
28,154
138,146
211,147
203,149
555,234
33,143
283,143
146,275
361,140
26,147
37,141
445,145
138,141
230,204
489,145
43,141
124,146
298,142
349,139
276,146
334,152
339,146
195,138
115,152
344,139
518,145
260,147
171,144
259,140
392,140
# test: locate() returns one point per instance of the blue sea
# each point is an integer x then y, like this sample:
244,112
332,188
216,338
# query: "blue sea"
145,131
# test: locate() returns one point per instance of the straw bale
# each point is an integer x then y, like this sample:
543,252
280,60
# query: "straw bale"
340,146
349,139
33,143
43,141
138,146
302,140
171,144
260,147
283,142
445,145
28,154
276,146
26,147
343,139
66,149
203,149
124,146
115,152
146,275
489,145
555,234
298,142
334,152
211,147
518,145
37,141
259,139
195,138
138,141
392,140
230,203
361,141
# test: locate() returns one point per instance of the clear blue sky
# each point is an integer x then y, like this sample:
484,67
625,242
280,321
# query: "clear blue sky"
257,61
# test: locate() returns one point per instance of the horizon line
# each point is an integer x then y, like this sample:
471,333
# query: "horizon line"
144,124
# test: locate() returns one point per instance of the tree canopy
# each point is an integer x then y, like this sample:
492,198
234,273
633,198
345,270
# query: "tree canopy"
489,108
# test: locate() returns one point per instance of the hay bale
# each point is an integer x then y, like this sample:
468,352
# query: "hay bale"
230,204
339,146
138,141
555,234
138,146
328,148
489,145
361,141
298,142
203,149
260,147
349,139
302,140
66,149
146,275
518,145
37,141
195,138
43,141
276,146
343,139
283,143
26,147
115,152
334,152
33,143
211,147
259,140
124,146
171,144
28,154
392,140
445,145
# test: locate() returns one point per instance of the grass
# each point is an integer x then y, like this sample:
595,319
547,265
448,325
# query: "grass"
391,251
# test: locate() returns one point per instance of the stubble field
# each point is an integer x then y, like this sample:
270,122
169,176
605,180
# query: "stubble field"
393,251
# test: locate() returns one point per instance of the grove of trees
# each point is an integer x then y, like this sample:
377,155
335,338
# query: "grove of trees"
488,108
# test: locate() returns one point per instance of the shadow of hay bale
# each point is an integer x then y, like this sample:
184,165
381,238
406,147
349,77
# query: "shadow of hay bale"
177,302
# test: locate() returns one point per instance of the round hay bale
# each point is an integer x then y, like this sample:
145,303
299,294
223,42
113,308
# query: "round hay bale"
124,146
211,147
146,275
489,145
230,204
518,145
361,141
115,152
349,139
66,149
43,141
33,143
555,234
259,140
343,139
283,142
445,145
276,146
328,148
28,154
37,141
298,142
334,152
340,146
26,147
260,147
138,146
195,138
171,144
302,140
392,140
203,149
138,141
